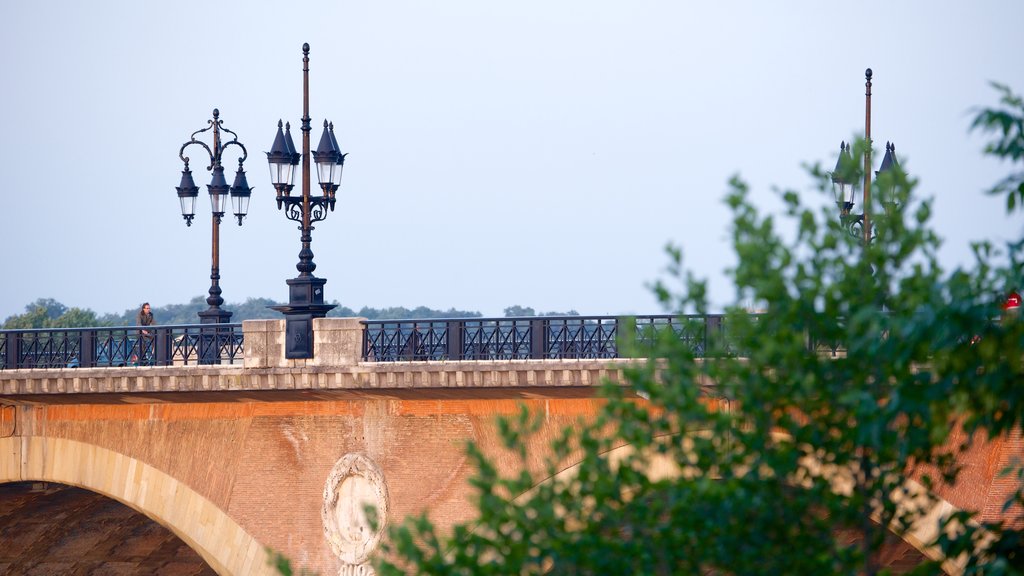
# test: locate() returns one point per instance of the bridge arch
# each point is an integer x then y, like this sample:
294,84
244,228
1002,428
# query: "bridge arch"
218,539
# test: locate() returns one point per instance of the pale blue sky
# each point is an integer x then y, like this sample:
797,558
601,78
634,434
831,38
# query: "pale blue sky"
537,153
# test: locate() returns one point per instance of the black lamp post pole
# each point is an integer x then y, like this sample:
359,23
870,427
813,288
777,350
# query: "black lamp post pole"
219,192
306,291
214,314
859,225
306,265
867,157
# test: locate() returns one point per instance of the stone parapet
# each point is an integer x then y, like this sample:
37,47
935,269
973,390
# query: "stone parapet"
337,341
517,377
264,343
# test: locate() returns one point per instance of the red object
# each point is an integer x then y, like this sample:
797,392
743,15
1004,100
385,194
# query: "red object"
1012,301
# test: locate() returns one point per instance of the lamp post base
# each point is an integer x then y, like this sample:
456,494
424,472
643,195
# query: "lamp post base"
305,302
214,316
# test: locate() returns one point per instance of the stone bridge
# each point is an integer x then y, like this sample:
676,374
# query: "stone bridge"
278,454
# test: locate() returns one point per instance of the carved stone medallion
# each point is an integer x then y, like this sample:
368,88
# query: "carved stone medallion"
355,482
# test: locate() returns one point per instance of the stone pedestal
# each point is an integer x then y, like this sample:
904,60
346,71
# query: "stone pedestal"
337,342
305,304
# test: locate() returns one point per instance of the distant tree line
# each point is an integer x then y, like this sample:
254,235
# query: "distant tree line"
49,313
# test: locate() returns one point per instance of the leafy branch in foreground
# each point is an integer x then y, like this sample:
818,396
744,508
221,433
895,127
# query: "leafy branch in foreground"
788,459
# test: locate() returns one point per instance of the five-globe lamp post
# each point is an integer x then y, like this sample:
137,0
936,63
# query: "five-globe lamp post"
859,225
306,291
239,192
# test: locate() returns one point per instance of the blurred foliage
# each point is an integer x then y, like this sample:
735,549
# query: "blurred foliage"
283,565
1006,126
798,461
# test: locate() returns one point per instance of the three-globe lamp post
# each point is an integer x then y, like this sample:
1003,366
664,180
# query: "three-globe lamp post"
239,192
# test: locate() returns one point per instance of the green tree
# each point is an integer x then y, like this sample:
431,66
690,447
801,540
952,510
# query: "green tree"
420,312
341,311
569,313
77,318
997,407
188,313
517,311
34,317
254,309
1006,123
48,313
817,450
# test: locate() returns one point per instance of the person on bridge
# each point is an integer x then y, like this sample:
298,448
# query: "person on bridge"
145,318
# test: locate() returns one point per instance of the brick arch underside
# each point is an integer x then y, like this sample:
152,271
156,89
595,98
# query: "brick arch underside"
204,527
923,531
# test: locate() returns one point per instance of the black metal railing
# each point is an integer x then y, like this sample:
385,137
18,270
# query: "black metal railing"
546,337
173,345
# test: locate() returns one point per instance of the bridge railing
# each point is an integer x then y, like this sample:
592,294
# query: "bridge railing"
172,345
544,337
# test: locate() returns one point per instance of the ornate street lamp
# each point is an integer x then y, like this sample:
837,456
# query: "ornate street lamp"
841,185
889,163
859,225
306,291
219,192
